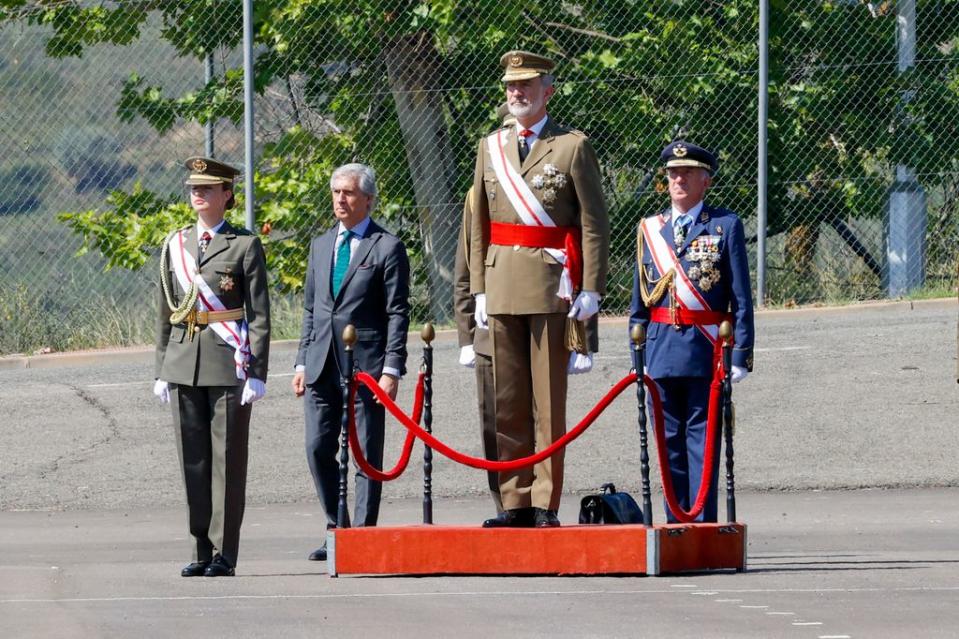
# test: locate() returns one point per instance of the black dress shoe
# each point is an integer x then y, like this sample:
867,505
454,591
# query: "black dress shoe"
194,569
543,518
319,554
219,567
513,518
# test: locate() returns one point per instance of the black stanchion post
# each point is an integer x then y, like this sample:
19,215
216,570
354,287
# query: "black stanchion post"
342,508
638,335
726,334
428,334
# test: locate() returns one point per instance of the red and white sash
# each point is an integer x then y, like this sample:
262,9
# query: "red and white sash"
529,209
234,333
664,256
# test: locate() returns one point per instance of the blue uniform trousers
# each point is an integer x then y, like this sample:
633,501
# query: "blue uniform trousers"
685,409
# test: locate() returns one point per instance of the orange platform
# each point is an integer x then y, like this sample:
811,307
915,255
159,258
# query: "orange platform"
569,550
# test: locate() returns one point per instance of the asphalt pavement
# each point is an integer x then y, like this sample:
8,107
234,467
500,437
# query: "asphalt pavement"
845,464
862,396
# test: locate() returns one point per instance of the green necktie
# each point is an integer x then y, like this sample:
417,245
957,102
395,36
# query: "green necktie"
342,261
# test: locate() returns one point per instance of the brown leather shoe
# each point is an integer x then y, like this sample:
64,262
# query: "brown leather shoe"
543,518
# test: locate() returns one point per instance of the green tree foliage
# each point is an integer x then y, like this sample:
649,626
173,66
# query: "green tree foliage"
634,74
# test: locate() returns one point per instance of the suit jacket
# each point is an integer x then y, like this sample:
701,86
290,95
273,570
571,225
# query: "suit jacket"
686,352
235,268
374,297
464,305
521,280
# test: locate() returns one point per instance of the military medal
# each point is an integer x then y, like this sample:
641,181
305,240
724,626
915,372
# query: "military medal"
226,282
704,253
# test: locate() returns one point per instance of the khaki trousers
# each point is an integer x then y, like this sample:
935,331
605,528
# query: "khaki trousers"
485,396
529,376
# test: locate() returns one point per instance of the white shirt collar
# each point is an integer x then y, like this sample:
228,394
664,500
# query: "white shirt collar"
693,213
359,230
536,128
213,231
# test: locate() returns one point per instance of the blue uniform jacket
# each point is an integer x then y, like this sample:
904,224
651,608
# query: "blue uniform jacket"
686,352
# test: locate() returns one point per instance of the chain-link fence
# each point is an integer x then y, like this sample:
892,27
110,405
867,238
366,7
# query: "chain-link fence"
101,102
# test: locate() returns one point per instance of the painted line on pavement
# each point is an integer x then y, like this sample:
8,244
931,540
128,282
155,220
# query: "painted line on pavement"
503,593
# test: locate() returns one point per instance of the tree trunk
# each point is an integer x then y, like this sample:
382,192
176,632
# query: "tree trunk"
412,65
800,247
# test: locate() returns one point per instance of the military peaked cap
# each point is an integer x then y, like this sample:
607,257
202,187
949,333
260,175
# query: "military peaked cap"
682,153
209,171
523,65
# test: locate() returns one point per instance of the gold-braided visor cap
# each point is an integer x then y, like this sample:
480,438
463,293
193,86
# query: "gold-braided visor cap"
688,162
523,65
209,171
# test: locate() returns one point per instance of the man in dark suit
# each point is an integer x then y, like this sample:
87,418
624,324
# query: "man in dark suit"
692,273
358,274
213,343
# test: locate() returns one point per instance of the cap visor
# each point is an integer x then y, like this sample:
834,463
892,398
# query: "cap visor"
197,179
521,75
697,163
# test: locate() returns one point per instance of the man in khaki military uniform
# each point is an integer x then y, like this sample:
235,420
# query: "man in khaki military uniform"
213,341
539,251
475,349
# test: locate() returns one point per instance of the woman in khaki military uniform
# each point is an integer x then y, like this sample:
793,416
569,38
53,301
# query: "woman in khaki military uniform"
213,340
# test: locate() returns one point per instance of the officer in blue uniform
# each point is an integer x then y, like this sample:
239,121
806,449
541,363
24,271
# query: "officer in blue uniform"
692,272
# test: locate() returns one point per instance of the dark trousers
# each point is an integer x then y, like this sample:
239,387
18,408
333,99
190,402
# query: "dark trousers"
323,404
213,432
486,400
685,409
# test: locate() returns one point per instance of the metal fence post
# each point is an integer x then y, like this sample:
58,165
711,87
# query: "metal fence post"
761,149
248,111
209,147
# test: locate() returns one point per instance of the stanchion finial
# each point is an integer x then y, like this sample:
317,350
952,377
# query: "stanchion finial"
349,336
637,334
725,330
428,333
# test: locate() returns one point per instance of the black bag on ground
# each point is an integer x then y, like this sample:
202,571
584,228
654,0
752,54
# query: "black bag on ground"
609,507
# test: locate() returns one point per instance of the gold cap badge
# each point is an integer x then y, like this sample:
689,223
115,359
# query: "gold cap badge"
516,61
199,165
679,151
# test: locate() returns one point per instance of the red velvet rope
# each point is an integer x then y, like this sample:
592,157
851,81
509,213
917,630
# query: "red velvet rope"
404,460
416,431
469,460
712,423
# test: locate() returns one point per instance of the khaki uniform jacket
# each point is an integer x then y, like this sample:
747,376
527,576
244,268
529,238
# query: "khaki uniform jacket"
464,306
235,269
521,280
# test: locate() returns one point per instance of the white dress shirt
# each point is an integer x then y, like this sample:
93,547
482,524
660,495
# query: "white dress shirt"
536,129
200,231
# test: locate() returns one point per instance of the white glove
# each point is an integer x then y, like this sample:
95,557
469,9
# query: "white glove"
479,314
467,356
162,390
253,390
738,374
585,306
579,363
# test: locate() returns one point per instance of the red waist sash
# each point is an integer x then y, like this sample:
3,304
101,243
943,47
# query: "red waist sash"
687,317
566,238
